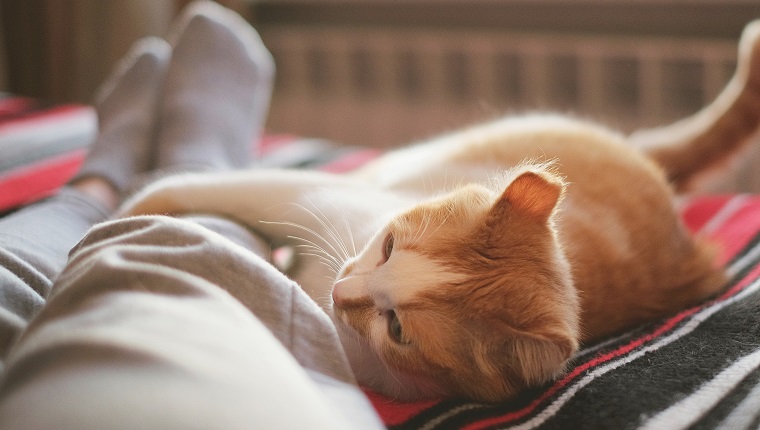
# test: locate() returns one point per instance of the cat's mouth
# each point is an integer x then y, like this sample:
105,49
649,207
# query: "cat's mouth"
369,369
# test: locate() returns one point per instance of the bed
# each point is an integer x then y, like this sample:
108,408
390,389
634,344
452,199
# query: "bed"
699,368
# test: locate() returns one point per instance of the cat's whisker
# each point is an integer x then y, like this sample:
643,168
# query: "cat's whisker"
350,233
308,230
317,247
347,226
302,249
322,252
326,297
331,229
323,262
332,263
417,236
336,240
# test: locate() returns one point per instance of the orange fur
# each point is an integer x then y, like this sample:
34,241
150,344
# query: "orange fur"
694,147
550,256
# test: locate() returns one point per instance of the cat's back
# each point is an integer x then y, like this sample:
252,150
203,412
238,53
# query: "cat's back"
588,155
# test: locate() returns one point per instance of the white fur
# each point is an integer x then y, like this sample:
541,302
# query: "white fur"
405,275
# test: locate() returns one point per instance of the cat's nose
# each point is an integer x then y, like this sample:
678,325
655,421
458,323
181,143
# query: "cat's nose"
349,291
341,289
336,295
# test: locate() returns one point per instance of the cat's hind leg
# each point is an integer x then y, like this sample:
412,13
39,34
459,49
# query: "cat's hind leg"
695,146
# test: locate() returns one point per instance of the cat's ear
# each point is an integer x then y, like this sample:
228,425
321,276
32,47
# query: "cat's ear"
525,357
542,357
534,193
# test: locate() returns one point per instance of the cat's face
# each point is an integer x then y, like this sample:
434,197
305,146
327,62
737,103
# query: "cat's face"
467,295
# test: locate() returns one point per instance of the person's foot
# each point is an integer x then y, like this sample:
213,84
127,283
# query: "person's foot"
126,107
216,92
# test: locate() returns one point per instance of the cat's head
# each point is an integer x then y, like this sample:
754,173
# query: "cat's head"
465,295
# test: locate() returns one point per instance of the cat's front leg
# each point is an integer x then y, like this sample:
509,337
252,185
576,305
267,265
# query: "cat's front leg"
167,196
271,201
326,217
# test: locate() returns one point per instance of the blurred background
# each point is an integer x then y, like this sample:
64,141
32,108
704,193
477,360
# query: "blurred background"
385,72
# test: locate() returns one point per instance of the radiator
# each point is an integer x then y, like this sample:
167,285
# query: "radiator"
383,87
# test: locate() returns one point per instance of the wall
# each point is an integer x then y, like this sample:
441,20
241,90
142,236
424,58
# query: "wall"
62,49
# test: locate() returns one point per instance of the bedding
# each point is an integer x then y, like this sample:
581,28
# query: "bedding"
699,368
41,146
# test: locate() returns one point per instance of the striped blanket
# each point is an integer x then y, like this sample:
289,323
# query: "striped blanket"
41,147
697,369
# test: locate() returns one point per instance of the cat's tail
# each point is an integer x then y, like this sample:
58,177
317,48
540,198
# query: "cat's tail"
713,136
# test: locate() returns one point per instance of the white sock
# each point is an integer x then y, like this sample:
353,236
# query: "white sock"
216,92
126,106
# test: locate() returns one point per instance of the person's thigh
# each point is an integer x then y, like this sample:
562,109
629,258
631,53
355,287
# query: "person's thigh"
139,333
34,246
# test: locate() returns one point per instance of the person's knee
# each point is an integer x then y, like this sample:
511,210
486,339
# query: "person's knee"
144,230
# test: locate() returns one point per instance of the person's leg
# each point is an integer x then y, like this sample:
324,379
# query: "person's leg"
216,93
137,333
34,244
127,119
207,125
35,241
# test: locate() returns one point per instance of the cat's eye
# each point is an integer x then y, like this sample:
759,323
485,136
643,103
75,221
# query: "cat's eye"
394,328
387,247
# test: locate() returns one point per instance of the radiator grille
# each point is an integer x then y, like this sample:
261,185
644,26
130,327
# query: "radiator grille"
384,87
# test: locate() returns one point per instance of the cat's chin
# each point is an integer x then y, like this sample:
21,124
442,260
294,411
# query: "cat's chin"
372,373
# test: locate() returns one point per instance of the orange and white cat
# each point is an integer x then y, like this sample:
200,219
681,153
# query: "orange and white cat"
475,264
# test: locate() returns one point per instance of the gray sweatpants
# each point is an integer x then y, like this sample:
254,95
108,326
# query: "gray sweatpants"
161,323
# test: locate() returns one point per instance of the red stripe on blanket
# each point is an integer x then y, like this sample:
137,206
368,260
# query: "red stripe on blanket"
393,412
739,229
699,212
15,105
738,221
39,179
270,142
59,113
